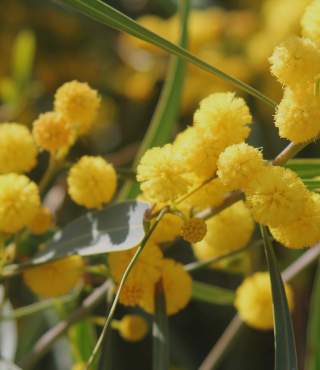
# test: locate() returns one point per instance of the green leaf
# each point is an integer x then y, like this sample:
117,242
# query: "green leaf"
167,110
285,347
116,228
106,14
313,334
160,332
83,338
305,167
211,294
312,184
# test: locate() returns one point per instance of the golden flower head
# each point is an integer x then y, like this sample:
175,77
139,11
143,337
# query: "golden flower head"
254,301
19,202
131,327
54,278
311,22
78,103
18,152
92,182
52,132
194,230
41,222
276,197
177,287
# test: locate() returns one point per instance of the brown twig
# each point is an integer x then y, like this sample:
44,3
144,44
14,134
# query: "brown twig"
45,342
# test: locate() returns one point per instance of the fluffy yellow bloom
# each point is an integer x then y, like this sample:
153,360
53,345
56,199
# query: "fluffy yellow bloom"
209,195
311,22
304,231
18,152
133,291
276,197
295,62
254,301
52,132
92,182
131,327
162,174
228,231
41,222
168,229
19,202
238,164
55,278
78,103
296,118
226,116
177,287
199,150
194,230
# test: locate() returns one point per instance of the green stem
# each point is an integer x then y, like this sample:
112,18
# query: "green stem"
122,282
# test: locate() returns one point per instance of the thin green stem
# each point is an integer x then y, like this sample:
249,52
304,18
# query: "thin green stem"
125,275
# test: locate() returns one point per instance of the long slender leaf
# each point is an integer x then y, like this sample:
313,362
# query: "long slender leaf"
285,347
313,342
305,167
160,332
167,110
106,14
211,294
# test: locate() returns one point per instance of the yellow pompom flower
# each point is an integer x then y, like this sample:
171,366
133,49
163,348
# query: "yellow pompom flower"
254,301
55,278
228,231
162,175
92,182
18,152
131,327
133,291
295,62
177,287
238,164
194,230
276,197
209,195
304,231
52,132
41,222
298,119
199,150
78,103
168,229
311,22
226,117
19,202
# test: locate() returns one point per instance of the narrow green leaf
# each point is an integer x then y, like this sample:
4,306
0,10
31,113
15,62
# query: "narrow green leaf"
83,338
313,336
305,167
160,332
312,184
211,294
285,347
167,110
106,14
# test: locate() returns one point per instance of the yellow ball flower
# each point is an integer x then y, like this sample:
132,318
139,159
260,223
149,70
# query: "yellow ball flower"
254,301
78,103
168,229
19,202
311,22
18,152
226,117
194,230
198,150
41,222
162,175
133,292
304,231
52,132
92,182
177,287
276,197
238,164
209,195
295,62
55,278
298,119
131,327
228,231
